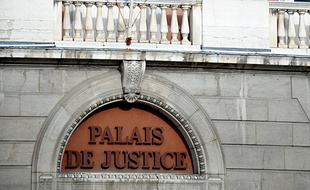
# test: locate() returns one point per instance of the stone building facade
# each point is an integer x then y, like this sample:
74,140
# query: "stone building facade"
238,92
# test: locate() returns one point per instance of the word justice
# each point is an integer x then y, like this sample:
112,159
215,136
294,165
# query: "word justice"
146,160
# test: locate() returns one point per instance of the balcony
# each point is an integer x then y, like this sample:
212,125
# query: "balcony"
289,25
116,23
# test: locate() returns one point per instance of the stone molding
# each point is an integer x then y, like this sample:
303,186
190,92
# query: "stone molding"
92,91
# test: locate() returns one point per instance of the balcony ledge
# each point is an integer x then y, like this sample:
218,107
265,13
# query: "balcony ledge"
155,53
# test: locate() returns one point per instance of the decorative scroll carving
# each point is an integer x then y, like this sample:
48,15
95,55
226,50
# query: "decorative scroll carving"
150,100
132,74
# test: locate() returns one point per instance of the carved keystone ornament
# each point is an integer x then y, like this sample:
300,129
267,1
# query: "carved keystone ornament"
132,74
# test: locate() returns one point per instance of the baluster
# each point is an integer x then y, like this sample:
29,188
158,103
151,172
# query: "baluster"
195,26
291,30
281,30
67,22
121,26
99,23
58,24
273,28
78,22
110,24
164,25
174,26
89,23
302,29
143,27
153,24
185,26
133,25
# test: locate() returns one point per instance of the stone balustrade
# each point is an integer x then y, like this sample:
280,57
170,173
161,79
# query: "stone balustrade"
156,22
289,25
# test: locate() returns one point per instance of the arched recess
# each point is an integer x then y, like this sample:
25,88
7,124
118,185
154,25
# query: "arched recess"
107,87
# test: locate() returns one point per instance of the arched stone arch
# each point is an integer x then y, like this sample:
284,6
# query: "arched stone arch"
92,91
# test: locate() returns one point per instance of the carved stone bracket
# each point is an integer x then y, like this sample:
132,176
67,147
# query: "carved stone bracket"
132,74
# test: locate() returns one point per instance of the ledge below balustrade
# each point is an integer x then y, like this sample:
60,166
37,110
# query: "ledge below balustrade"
155,55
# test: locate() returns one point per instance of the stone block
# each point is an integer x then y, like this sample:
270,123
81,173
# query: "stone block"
277,180
301,134
255,85
231,84
51,80
286,110
195,83
20,128
274,134
16,80
16,153
256,109
17,178
38,104
61,81
302,180
301,91
297,158
273,158
235,108
243,180
9,105
253,157
220,108
72,78
243,157
268,86
233,132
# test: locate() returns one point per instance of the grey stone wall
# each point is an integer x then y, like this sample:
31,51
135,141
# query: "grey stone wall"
261,117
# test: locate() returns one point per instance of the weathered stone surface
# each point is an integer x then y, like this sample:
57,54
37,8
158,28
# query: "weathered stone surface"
15,178
235,108
278,180
9,104
271,180
38,104
274,133
301,134
243,156
20,128
18,80
286,110
273,158
232,85
302,180
268,86
233,132
243,180
199,83
254,85
51,80
16,153
301,91
27,22
297,158
220,30
252,157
